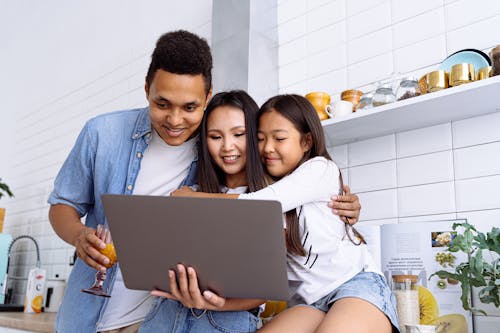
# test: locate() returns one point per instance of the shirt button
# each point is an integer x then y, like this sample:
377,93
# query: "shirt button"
148,135
136,135
129,187
139,155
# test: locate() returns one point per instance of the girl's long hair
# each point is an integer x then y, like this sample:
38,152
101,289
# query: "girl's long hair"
300,112
210,177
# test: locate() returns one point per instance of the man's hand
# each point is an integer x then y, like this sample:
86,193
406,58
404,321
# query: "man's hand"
346,206
88,244
184,191
188,292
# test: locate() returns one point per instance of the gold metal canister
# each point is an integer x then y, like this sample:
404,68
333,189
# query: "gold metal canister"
462,73
483,73
437,80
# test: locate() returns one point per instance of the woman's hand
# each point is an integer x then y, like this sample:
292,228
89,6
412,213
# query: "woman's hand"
346,206
184,191
188,292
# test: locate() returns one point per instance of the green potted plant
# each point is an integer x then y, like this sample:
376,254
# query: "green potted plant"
479,272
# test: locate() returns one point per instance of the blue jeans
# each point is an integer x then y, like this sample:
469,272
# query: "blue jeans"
171,316
367,286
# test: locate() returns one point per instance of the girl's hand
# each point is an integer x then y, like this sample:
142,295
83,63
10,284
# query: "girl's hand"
188,292
346,206
184,191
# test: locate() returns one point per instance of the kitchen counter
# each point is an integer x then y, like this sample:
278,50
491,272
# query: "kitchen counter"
36,322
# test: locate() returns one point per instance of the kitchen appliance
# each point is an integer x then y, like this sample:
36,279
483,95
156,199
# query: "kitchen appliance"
5,241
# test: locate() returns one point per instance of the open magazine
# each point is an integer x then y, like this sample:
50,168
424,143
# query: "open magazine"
420,249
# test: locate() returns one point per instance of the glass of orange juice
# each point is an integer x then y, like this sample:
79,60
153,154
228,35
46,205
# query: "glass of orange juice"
109,251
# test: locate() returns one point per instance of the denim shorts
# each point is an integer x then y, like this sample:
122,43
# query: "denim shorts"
172,317
367,286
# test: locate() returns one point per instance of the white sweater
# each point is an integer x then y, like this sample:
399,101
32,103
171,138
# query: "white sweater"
331,258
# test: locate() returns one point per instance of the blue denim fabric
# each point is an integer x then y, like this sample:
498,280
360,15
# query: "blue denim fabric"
368,286
104,159
172,317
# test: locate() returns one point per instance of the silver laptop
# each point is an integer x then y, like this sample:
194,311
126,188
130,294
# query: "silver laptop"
237,247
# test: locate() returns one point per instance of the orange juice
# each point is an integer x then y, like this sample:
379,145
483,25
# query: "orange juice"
109,251
33,301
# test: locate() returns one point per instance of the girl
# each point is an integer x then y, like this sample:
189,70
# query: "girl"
341,290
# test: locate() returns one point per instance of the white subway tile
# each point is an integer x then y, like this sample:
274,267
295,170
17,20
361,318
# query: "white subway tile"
369,21
326,61
326,15
424,140
487,324
312,4
369,45
455,12
483,220
478,193
373,150
292,29
419,28
339,155
477,161
426,199
425,169
369,223
368,71
292,51
332,82
378,205
292,73
299,88
428,218
325,38
412,57
290,9
402,10
372,177
477,130
479,35
355,7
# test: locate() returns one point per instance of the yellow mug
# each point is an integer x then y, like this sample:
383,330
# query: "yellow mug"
321,102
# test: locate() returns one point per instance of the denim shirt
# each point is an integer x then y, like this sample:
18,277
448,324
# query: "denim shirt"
106,158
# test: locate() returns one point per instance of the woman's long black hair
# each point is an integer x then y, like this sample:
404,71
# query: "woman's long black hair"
210,177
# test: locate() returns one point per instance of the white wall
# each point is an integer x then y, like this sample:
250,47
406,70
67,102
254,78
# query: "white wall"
446,171
63,62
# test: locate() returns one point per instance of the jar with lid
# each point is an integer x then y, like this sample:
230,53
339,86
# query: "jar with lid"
408,87
405,290
365,102
495,58
383,95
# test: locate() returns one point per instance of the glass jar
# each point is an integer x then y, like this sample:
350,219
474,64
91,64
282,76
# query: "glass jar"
365,102
405,290
408,88
383,95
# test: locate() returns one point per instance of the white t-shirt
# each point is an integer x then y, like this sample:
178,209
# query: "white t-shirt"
163,168
331,258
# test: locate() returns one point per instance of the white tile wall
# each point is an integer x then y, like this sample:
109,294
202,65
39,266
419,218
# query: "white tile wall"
426,199
402,10
325,15
373,150
369,45
339,155
477,161
425,140
411,57
425,169
477,130
326,61
376,18
454,12
477,36
378,205
418,28
372,177
477,193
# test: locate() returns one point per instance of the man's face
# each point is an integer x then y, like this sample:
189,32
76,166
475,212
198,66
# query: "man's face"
176,105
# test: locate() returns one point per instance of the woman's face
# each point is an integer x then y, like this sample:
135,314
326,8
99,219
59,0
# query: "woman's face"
281,145
227,144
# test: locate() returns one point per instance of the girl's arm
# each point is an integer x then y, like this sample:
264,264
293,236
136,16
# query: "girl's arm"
187,191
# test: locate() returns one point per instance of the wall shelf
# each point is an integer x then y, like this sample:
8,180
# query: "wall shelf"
455,103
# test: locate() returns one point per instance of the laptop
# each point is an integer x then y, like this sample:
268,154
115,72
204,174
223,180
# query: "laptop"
237,247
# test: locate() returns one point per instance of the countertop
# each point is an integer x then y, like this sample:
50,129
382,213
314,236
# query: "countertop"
36,322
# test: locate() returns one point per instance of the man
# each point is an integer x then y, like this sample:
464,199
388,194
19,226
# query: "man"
148,151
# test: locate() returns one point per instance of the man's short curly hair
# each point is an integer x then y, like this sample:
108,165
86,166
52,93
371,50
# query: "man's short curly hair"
182,52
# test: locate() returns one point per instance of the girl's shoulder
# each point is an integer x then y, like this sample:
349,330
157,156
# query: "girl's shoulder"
320,163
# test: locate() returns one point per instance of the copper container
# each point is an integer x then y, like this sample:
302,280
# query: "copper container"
484,73
422,82
321,102
462,73
436,80
352,96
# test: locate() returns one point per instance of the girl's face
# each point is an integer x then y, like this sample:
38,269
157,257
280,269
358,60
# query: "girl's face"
281,145
227,143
